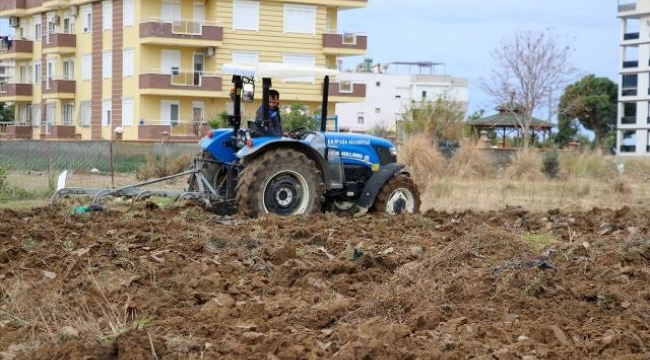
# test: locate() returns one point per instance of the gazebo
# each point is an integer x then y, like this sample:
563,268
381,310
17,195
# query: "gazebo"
505,122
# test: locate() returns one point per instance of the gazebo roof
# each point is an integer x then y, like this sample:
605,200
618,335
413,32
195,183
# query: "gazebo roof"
507,120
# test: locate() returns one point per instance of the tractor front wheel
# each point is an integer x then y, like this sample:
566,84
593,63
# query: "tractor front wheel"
283,182
399,195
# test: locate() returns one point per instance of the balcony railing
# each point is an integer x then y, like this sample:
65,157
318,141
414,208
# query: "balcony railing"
17,46
346,41
628,148
181,29
59,86
13,90
180,128
180,80
630,64
347,89
629,92
628,120
631,36
627,7
59,40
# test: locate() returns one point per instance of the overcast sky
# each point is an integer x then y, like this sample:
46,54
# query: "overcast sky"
463,33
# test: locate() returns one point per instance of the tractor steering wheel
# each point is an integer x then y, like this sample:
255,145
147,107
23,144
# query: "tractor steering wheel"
298,132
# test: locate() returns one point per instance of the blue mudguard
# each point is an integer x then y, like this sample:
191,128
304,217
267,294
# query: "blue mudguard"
217,145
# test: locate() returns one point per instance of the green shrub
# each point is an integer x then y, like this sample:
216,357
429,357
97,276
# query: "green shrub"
551,164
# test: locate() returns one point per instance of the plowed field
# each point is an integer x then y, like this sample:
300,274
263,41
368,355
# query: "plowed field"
178,283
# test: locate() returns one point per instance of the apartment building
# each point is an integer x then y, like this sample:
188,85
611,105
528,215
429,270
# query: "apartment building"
393,88
83,69
633,124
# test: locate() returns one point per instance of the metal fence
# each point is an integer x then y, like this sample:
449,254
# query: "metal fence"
121,157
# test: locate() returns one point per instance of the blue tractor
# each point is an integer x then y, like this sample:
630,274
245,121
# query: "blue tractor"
304,172
239,170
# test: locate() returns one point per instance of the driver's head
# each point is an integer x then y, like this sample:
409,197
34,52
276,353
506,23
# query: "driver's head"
274,98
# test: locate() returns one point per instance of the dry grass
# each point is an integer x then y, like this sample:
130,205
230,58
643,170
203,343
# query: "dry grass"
423,159
470,162
525,166
156,168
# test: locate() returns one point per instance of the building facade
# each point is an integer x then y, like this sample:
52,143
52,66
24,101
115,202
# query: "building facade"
633,121
82,69
393,88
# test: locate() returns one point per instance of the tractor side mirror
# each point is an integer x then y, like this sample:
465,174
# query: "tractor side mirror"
248,93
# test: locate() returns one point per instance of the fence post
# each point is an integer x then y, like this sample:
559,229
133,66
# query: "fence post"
110,147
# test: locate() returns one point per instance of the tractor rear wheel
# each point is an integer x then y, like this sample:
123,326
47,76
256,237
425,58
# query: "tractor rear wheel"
399,195
281,181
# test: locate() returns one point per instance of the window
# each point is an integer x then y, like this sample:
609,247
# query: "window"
299,19
86,66
378,83
107,63
37,72
127,112
169,112
85,113
37,28
424,94
67,112
68,69
246,15
300,60
24,114
107,13
629,85
128,63
360,120
377,110
49,115
106,112
127,15
398,96
345,87
245,57
87,18
36,114
171,12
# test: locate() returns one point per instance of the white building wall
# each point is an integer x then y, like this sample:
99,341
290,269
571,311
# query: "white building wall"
389,96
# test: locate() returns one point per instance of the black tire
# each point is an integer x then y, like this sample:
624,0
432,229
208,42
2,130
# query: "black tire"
399,195
341,207
281,181
216,176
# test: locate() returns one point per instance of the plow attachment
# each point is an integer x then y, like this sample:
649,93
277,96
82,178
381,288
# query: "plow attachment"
199,189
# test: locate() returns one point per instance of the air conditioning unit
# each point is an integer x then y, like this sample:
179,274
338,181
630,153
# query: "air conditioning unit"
13,21
74,10
210,50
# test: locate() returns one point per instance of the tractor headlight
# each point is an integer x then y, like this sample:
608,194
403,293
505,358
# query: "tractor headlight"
393,151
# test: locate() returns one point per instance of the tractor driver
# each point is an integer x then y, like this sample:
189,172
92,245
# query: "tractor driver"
274,127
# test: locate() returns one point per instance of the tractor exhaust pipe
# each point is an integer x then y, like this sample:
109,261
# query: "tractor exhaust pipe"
323,114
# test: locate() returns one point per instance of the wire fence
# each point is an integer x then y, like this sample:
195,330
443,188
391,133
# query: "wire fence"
47,159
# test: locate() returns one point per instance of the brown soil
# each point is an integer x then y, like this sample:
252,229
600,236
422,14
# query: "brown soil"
176,283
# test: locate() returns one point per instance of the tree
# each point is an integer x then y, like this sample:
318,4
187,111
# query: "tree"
442,118
591,102
530,68
297,117
567,130
6,112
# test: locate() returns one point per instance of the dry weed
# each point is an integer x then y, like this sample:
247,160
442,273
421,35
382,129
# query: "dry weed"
585,165
165,166
525,165
470,162
422,158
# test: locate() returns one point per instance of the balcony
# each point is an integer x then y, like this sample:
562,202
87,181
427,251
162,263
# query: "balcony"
628,148
346,91
18,7
15,92
629,92
172,130
181,32
180,83
628,120
59,43
16,50
345,44
17,132
59,89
